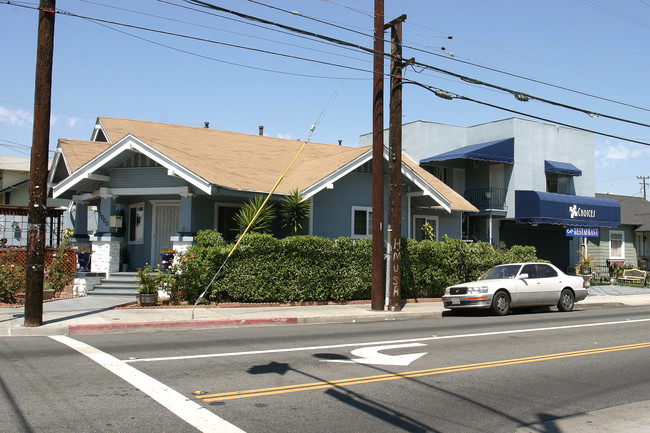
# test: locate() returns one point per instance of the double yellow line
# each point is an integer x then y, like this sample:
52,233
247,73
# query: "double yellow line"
407,375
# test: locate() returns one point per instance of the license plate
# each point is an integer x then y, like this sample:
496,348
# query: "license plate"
455,301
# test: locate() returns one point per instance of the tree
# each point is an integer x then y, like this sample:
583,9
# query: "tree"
294,211
247,212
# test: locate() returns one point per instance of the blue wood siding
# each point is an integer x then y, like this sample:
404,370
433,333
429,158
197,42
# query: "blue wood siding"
143,177
332,210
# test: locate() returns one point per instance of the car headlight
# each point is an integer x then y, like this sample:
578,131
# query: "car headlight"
447,292
475,290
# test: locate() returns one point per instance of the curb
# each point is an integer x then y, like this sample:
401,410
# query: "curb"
181,324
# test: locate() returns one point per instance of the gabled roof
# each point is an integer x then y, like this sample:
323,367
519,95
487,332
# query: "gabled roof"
634,210
209,157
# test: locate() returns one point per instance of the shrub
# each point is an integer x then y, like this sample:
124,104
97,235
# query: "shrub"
12,280
311,268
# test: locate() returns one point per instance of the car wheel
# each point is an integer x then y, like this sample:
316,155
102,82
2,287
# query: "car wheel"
500,303
567,300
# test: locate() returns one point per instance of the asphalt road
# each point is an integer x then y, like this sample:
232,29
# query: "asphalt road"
458,373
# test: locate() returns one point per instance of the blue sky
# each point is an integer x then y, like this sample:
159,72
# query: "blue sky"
590,54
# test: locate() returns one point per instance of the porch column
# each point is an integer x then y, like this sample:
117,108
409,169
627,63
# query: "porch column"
185,237
106,247
185,226
107,207
81,222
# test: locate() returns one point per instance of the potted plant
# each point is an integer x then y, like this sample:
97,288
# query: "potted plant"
167,257
148,288
83,258
586,267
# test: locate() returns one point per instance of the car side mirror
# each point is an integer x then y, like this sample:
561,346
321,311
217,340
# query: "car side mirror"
523,276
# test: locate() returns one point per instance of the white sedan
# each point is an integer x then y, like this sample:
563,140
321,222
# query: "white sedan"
518,285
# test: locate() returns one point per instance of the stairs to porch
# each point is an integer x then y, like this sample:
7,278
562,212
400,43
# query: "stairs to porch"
118,284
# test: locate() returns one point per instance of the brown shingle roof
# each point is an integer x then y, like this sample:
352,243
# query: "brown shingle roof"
238,161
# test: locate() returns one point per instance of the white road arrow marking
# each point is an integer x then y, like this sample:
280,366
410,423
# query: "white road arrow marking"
371,355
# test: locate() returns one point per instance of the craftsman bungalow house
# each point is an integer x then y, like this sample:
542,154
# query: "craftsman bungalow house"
156,185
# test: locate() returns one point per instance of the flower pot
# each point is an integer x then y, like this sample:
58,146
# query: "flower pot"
147,299
166,260
48,294
83,258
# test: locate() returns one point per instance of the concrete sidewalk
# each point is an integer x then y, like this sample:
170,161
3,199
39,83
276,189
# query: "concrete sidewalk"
97,314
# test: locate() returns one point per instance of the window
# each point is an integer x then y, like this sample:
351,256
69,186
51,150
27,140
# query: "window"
616,245
136,223
361,222
225,221
545,271
419,221
531,270
558,183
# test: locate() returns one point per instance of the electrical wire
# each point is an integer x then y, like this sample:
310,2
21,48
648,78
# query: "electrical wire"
449,96
522,96
519,95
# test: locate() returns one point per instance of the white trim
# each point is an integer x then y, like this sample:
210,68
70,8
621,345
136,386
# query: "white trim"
618,232
129,143
328,181
99,177
128,231
311,216
368,211
435,218
180,190
154,220
219,204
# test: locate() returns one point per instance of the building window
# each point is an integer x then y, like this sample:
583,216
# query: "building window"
225,220
558,183
136,223
419,221
616,245
361,222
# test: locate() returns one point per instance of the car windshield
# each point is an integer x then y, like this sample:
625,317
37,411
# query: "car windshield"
501,272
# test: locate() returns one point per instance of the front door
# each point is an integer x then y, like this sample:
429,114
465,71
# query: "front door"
165,222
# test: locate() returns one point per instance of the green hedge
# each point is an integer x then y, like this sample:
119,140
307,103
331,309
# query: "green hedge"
311,268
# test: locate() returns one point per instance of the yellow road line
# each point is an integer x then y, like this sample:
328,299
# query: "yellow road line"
418,373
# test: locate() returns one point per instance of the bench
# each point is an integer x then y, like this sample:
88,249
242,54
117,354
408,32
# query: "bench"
633,276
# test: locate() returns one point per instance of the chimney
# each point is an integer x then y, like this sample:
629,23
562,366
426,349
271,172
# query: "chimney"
206,124
261,129
340,141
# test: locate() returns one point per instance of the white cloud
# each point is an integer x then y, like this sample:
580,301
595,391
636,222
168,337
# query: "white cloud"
72,121
285,136
15,117
611,153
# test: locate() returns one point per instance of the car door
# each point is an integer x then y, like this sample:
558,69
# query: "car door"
529,289
550,282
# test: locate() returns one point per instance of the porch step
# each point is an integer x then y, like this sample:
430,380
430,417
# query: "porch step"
118,284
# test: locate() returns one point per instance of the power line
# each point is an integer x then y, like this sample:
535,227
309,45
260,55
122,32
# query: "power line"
449,96
499,71
519,95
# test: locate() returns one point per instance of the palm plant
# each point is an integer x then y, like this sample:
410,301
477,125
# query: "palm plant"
246,215
295,210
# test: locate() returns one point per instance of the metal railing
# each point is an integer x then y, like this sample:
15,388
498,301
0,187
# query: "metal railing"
487,198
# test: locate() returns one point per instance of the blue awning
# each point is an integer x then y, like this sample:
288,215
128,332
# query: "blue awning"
562,168
539,207
493,151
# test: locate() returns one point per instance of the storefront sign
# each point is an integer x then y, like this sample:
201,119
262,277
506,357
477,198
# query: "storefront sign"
587,232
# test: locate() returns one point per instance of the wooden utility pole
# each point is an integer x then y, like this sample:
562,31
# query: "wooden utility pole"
378,162
395,161
643,182
38,169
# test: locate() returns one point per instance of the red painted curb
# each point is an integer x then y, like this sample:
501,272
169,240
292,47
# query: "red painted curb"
125,327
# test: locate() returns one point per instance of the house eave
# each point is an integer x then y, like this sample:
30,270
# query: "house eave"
128,143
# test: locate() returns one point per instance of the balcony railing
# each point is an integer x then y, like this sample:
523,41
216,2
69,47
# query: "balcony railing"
487,198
